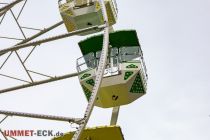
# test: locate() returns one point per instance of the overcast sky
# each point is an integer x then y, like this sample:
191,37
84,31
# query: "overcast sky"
175,39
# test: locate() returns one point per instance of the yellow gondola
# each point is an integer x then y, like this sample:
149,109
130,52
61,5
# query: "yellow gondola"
81,14
125,78
97,133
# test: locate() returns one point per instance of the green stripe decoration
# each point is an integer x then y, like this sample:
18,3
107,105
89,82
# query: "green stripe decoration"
87,92
128,74
137,86
85,76
131,66
90,82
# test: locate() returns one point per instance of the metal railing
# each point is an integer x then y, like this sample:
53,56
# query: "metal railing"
115,57
90,61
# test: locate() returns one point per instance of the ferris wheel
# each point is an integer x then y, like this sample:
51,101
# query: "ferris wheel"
111,72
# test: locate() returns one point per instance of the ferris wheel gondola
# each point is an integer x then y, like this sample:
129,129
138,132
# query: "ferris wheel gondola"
80,14
125,76
111,71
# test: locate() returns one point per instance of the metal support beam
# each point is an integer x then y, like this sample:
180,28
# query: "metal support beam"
3,135
5,60
3,119
32,50
22,9
41,116
41,33
38,34
115,113
7,7
14,78
30,77
38,73
2,18
31,38
18,24
17,47
13,38
10,5
35,83
30,28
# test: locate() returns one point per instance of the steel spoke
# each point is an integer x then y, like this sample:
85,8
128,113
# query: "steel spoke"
6,60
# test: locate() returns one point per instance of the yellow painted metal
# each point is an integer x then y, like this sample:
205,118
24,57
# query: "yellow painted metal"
97,133
97,5
70,25
83,16
116,90
111,13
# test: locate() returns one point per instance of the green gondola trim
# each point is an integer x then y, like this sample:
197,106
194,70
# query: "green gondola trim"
137,86
125,38
128,74
85,76
87,92
90,82
131,66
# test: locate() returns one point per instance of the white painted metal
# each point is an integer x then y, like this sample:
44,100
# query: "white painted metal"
115,114
41,116
35,43
99,76
4,9
3,135
52,79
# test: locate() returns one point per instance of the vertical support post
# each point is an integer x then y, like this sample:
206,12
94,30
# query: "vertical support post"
115,114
